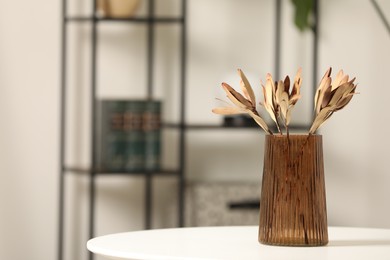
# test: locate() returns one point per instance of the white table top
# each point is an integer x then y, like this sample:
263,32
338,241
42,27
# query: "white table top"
238,243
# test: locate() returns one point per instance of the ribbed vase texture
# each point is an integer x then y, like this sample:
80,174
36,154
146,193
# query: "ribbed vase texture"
293,200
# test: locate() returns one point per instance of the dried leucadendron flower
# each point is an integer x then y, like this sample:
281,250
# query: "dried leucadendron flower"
270,104
331,97
279,100
243,104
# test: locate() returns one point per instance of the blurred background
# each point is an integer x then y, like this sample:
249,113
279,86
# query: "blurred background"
221,165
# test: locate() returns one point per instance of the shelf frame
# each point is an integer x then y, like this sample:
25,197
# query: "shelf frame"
150,20
88,171
141,20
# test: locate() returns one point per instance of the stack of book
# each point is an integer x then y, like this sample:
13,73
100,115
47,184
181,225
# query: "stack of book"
130,135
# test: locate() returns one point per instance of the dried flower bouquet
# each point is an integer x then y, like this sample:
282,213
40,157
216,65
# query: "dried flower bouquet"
279,99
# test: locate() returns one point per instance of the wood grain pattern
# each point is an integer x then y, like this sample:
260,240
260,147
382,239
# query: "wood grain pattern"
293,199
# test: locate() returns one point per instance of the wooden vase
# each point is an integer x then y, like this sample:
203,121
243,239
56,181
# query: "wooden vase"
293,200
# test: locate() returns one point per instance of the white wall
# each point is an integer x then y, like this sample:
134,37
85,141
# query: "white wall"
221,39
29,81
356,150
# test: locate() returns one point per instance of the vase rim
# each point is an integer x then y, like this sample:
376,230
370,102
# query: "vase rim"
284,135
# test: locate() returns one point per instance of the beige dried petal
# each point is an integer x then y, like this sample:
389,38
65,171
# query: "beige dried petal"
344,80
272,83
338,93
294,99
297,83
320,89
324,87
287,84
246,87
346,97
236,97
260,121
268,104
327,96
344,101
321,117
228,111
279,92
351,90
264,94
296,91
269,91
284,104
337,80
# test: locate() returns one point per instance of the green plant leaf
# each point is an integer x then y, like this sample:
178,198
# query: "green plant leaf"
302,11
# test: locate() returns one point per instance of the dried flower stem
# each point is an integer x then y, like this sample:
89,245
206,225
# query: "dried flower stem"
278,126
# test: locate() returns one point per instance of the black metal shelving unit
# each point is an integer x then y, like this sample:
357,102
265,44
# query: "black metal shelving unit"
181,126
94,172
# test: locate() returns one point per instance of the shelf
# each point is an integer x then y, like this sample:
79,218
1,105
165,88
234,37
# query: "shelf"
293,127
129,19
216,127
204,126
161,172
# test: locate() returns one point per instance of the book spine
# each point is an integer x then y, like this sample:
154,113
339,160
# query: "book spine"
113,135
130,135
135,137
152,129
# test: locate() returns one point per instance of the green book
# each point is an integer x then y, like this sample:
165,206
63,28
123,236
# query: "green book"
152,130
130,135
135,137
112,145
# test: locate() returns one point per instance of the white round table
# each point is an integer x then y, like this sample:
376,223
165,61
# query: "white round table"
237,243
